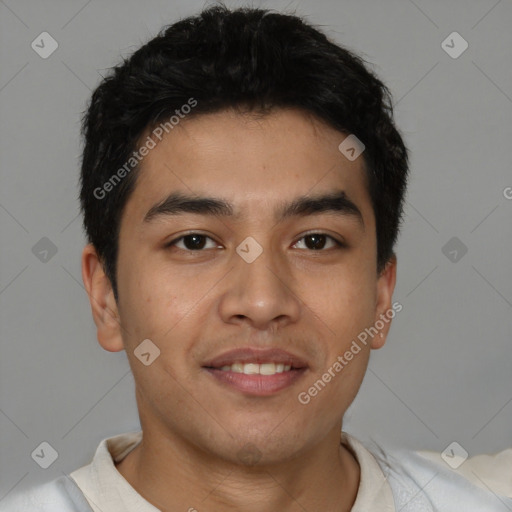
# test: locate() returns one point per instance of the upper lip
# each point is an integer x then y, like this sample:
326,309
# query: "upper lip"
254,355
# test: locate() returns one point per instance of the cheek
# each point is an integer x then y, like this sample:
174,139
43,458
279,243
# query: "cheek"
149,303
344,300
328,394
160,303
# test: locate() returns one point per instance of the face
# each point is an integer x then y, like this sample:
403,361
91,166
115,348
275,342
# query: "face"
248,245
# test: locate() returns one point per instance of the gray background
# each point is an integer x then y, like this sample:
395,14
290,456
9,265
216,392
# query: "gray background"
445,373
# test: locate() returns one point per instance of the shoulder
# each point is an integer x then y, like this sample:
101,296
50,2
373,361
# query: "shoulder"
59,495
424,481
488,471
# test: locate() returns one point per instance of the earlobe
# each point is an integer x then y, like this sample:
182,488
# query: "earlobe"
101,297
385,287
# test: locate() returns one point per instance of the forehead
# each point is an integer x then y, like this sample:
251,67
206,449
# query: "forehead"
253,161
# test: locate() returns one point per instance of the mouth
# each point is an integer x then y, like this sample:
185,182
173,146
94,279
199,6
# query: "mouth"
269,368
256,372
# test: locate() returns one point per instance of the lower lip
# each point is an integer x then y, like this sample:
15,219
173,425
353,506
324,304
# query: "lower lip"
256,384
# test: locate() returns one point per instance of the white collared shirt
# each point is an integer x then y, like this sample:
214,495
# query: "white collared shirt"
107,490
390,481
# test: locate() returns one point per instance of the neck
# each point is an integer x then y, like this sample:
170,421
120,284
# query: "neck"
173,476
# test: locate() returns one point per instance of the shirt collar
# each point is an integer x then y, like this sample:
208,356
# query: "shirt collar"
106,489
374,491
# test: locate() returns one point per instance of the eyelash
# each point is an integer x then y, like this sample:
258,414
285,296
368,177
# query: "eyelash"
338,244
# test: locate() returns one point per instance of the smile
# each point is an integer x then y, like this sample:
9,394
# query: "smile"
257,369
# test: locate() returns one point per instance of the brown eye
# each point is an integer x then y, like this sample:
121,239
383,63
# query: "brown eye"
318,242
192,242
315,241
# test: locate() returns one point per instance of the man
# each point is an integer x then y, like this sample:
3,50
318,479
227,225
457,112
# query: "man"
242,188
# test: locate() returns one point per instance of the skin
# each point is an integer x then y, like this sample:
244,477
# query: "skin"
196,305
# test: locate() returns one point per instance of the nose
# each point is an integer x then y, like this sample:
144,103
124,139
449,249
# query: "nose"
260,294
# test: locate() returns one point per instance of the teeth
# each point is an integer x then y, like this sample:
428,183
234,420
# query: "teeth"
237,367
267,368
251,369
255,368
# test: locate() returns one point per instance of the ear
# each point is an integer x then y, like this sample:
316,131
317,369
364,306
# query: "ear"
385,287
103,304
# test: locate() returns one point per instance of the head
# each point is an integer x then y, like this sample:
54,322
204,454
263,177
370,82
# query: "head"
221,213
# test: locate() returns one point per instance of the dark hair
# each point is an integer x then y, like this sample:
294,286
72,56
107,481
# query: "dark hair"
246,58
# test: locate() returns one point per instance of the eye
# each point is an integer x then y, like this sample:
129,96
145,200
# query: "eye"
193,242
318,241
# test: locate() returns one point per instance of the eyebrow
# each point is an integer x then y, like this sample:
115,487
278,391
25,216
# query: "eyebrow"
177,203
